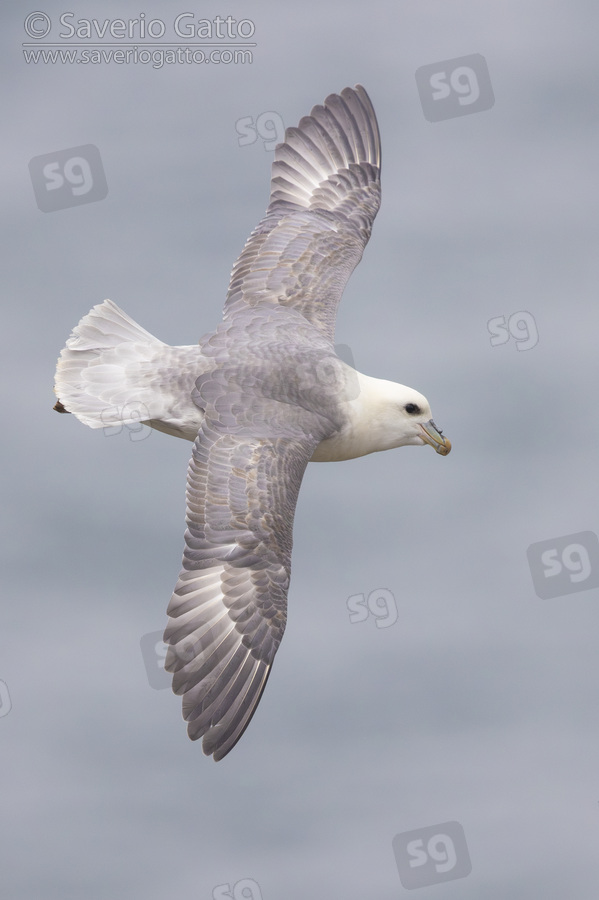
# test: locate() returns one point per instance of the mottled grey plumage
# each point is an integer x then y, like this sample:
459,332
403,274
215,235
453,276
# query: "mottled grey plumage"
263,417
260,397
324,195
265,412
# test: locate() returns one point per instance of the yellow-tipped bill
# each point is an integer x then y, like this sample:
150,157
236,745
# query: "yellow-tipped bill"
433,436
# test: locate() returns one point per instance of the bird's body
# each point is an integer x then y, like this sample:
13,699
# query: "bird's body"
260,397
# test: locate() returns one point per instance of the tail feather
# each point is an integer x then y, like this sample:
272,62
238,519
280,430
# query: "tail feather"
114,372
106,326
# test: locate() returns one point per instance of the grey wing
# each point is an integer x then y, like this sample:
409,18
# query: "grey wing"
325,194
228,611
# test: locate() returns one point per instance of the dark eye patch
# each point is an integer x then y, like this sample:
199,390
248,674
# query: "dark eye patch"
412,408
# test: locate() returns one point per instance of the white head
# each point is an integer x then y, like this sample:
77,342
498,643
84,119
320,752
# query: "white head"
404,418
381,415
387,415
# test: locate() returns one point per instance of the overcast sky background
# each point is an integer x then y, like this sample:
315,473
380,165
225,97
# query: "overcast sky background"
480,703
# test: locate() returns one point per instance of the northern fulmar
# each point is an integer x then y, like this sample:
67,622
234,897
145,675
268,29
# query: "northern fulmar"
260,397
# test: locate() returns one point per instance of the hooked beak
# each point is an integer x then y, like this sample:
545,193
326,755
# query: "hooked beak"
433,436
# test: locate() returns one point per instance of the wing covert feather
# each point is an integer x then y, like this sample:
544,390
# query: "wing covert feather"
325,194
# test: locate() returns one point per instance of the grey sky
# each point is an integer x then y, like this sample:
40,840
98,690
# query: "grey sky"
480,703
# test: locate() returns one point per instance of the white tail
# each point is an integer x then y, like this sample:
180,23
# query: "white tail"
114,372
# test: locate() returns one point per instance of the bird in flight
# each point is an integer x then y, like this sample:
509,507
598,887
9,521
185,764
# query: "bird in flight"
260,397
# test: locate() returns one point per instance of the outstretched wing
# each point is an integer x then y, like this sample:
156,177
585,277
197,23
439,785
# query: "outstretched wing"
325,194
228,611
